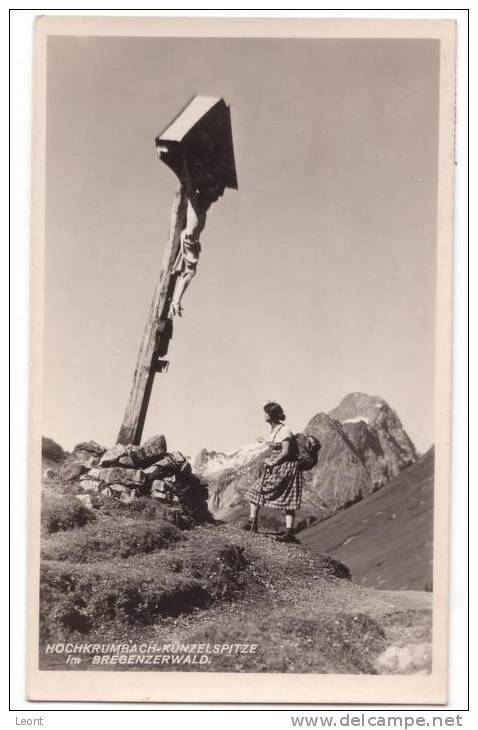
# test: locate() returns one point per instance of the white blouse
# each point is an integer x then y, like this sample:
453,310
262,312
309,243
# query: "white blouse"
280,433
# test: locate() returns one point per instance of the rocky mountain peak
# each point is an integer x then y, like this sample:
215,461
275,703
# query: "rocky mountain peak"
363,443
388,441
356,407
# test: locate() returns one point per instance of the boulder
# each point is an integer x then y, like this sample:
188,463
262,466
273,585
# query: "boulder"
90,485
113,455
85,499
126,461
153,472
149,452
182,465
168,466
128,496
71,471
83,457
155,446
86,449
158,488
92,474
119,475
162,469
119,488
163,490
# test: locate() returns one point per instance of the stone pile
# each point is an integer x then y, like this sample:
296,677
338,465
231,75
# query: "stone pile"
149,470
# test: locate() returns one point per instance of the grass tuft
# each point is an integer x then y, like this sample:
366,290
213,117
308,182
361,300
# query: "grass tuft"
63,513
341,643
106,539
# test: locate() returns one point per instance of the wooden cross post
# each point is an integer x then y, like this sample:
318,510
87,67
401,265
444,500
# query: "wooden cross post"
197,147
148,363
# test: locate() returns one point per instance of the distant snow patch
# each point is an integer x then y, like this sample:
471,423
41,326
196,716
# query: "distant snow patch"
357,419
233,459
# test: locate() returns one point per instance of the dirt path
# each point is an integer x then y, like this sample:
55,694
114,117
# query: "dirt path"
395,626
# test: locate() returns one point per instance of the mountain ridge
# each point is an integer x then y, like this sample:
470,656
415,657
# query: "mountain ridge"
364,445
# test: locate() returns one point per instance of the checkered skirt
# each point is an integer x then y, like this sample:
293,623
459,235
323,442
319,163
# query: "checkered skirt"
279,487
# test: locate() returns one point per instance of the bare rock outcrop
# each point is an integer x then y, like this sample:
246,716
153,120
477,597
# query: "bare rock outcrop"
340,477
364,445
377,433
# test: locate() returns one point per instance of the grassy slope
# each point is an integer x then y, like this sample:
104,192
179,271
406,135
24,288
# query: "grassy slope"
131,575
220,585
386,539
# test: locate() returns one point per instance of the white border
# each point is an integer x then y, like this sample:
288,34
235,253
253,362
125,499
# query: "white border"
21,36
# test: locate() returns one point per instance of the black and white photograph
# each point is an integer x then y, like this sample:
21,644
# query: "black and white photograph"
240,404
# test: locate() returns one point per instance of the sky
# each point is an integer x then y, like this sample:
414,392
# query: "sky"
316,278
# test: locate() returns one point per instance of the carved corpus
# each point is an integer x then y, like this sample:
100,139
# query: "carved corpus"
197,147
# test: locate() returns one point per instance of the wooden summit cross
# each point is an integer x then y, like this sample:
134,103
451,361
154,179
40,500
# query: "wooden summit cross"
198,148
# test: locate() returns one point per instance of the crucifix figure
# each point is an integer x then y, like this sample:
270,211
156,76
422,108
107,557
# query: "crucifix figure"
204,184
197,146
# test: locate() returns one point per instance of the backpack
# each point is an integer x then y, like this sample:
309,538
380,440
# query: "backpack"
308,448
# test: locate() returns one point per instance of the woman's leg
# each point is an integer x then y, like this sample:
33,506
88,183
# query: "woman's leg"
254,509
253,514
289,519
288,535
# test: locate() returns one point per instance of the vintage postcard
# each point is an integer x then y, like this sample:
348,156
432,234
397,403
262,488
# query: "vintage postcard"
241,347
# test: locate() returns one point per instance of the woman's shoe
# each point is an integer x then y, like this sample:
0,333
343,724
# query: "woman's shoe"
287,536
250,525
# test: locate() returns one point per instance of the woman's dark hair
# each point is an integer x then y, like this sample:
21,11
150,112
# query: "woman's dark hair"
274,410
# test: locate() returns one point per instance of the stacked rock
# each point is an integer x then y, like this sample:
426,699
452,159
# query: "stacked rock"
83,457
120,470
172,481
148,470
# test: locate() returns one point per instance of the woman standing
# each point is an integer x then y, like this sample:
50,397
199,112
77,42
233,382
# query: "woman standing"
280,484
